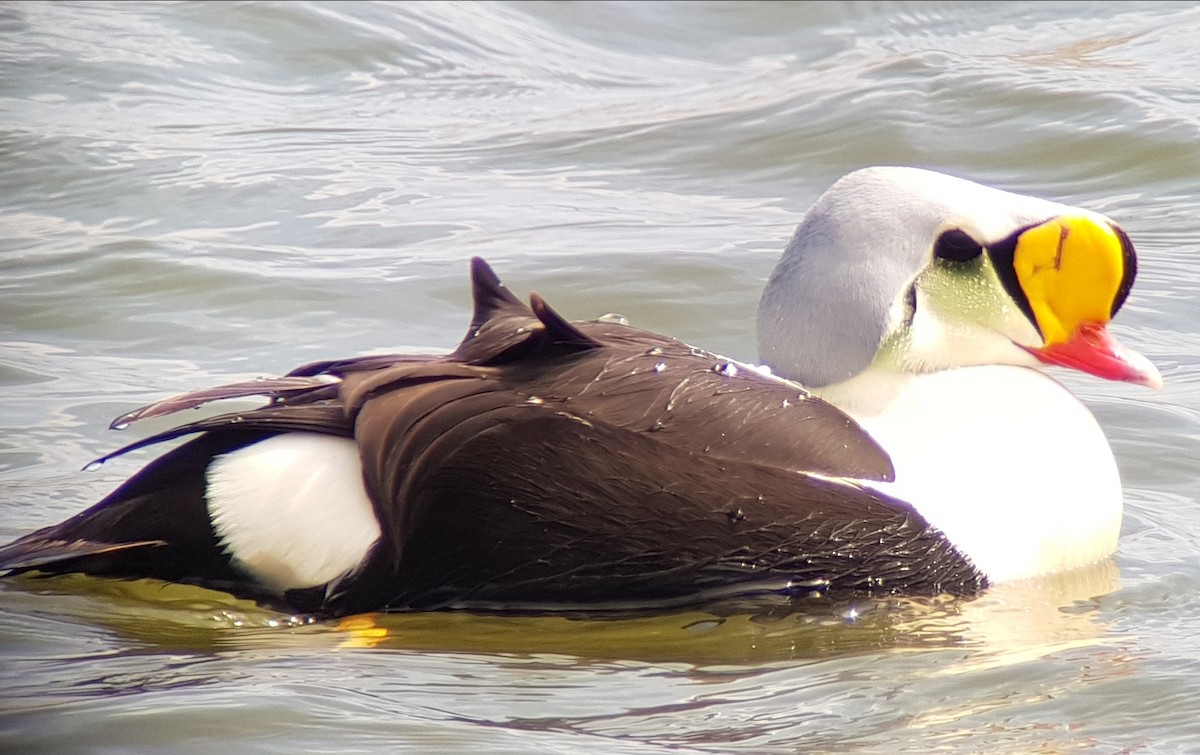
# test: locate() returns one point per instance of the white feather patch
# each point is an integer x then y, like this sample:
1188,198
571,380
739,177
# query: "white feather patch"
1011,467
292,509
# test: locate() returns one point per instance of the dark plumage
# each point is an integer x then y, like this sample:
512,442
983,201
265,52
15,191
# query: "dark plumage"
542,462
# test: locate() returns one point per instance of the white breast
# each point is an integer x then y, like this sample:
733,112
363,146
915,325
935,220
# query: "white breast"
292,510
1004,460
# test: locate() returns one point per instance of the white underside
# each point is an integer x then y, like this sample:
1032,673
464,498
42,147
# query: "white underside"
1004,460
292,510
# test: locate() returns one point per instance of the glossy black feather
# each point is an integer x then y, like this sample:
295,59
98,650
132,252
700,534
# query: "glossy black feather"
528,505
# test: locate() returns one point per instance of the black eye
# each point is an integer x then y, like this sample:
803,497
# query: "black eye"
956,246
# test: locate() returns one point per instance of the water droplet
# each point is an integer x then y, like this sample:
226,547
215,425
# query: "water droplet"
613,318
660,366
120,424
654,352
735,516
534,400
786,403
728,369
92,466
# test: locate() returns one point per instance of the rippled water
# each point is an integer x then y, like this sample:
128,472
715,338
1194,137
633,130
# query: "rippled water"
197,193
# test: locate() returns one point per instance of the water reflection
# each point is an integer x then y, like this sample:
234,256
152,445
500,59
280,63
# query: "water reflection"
1009,624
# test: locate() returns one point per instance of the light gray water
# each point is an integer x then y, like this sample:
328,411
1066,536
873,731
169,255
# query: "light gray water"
192,194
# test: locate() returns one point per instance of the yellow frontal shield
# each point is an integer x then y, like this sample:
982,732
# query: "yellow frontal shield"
1075,271
1071,269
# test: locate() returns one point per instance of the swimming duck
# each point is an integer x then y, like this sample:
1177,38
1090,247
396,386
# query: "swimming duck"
545,463
924,305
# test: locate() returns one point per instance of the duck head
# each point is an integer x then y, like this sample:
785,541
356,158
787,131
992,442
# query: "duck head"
915,271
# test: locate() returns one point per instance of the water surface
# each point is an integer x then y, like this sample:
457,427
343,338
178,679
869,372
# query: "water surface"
199,193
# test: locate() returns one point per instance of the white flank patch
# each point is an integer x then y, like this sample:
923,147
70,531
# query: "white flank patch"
292,510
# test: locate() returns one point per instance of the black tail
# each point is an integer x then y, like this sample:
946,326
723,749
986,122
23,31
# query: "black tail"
155,525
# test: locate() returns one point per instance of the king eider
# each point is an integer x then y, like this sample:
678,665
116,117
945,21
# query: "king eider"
905,440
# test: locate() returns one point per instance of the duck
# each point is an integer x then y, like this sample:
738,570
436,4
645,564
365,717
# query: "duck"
925,306
900,436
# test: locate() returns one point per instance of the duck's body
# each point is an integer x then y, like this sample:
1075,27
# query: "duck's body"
541,463
592,464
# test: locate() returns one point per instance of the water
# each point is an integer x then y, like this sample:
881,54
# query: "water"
199,193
